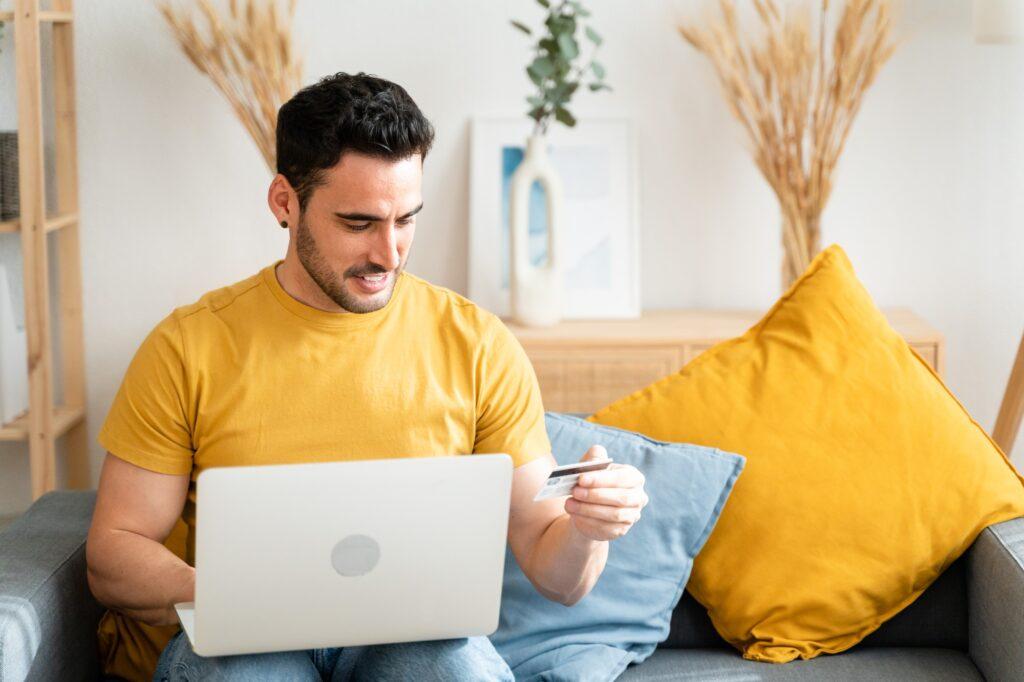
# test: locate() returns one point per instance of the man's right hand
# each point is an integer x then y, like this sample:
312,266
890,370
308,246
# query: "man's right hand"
130,570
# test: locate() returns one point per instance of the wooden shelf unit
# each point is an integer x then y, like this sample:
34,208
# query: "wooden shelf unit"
44,421
45,16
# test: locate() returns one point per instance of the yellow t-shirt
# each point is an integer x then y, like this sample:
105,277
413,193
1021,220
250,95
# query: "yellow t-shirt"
249,375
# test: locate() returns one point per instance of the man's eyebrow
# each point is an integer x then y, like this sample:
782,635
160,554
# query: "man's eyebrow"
368,217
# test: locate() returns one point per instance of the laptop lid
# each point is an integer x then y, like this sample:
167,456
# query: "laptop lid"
302,556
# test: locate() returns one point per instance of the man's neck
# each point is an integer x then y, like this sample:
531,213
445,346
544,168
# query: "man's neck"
297,283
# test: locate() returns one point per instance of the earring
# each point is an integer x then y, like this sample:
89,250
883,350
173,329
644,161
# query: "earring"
284,223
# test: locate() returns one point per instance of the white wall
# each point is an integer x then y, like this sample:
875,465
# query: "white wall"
927,202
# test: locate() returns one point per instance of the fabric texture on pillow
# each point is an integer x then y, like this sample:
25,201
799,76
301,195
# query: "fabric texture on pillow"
627,613
865,477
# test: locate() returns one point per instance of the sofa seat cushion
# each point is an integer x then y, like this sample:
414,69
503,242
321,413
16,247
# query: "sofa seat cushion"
906,664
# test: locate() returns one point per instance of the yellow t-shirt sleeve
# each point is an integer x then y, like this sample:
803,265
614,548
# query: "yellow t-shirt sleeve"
510,414
147,424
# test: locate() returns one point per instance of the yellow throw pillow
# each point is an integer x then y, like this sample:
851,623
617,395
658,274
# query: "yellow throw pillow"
865,477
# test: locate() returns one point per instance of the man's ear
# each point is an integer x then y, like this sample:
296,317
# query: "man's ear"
283,201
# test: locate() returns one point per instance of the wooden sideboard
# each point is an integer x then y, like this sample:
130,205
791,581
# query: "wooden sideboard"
583,365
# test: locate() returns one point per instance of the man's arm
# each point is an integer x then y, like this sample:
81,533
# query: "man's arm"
130,570
562,545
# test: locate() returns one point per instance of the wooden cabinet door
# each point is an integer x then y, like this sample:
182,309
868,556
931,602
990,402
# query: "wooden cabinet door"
587,379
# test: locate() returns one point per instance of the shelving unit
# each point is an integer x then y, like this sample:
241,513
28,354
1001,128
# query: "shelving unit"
45,422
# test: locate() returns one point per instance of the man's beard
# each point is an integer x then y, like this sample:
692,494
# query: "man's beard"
333,286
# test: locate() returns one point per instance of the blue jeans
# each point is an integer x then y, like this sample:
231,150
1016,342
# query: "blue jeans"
448,659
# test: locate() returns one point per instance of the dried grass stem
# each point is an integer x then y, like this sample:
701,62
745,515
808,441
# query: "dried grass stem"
796,94
248,54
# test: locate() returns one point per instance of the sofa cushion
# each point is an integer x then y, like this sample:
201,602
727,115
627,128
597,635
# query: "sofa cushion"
865,477
906,664
627,613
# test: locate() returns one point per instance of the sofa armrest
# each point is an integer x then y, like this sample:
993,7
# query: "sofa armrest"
995,600
48,616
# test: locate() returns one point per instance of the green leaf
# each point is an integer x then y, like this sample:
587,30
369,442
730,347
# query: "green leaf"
565,117
534,76
544,3
562,92
581,11
549,45
535,101
543,66
594,36
594,87
597,69
567,46
522,27
560,24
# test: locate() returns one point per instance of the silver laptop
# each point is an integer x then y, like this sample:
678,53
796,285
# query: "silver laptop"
303,556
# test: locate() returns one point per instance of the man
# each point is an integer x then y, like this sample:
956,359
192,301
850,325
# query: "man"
335,352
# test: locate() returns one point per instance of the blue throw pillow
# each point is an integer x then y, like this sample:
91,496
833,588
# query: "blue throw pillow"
628,612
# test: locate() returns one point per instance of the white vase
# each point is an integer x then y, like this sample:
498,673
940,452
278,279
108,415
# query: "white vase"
536,290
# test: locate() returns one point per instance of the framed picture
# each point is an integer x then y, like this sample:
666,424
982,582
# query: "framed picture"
597,164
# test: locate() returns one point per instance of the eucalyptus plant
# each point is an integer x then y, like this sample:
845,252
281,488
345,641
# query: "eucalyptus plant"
558,67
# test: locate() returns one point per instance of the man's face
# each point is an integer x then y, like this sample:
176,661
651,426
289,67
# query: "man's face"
353,238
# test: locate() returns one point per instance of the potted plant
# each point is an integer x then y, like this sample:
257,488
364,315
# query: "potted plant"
557,69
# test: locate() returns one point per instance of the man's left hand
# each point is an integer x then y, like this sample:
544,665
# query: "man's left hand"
605,504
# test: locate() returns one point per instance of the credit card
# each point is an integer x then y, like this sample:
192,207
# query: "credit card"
564,478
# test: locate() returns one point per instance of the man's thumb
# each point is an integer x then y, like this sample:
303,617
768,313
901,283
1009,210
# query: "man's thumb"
595,452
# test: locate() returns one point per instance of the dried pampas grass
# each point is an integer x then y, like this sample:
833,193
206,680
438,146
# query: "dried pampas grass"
796,97
248,54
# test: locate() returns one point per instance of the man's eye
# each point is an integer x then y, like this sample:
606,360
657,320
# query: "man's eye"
407,221
357,228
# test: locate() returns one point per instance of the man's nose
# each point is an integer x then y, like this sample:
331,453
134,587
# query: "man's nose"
385,249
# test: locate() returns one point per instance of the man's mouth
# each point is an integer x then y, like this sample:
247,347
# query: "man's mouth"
371,284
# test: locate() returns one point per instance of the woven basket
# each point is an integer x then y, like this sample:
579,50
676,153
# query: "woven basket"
10,205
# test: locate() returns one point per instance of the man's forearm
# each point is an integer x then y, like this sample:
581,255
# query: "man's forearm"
565,564
138,576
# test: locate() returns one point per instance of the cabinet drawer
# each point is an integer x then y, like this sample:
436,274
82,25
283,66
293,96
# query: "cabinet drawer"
585,380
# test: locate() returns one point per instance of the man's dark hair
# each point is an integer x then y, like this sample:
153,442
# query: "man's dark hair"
341,113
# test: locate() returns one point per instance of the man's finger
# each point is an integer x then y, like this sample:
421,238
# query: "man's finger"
618,497
602,512
595,452
613,477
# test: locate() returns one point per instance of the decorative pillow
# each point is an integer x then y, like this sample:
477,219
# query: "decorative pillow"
865,477
627,613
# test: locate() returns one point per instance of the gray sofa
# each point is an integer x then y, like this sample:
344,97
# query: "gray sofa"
969,625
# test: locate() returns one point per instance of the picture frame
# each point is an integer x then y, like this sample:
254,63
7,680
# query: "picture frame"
597,165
